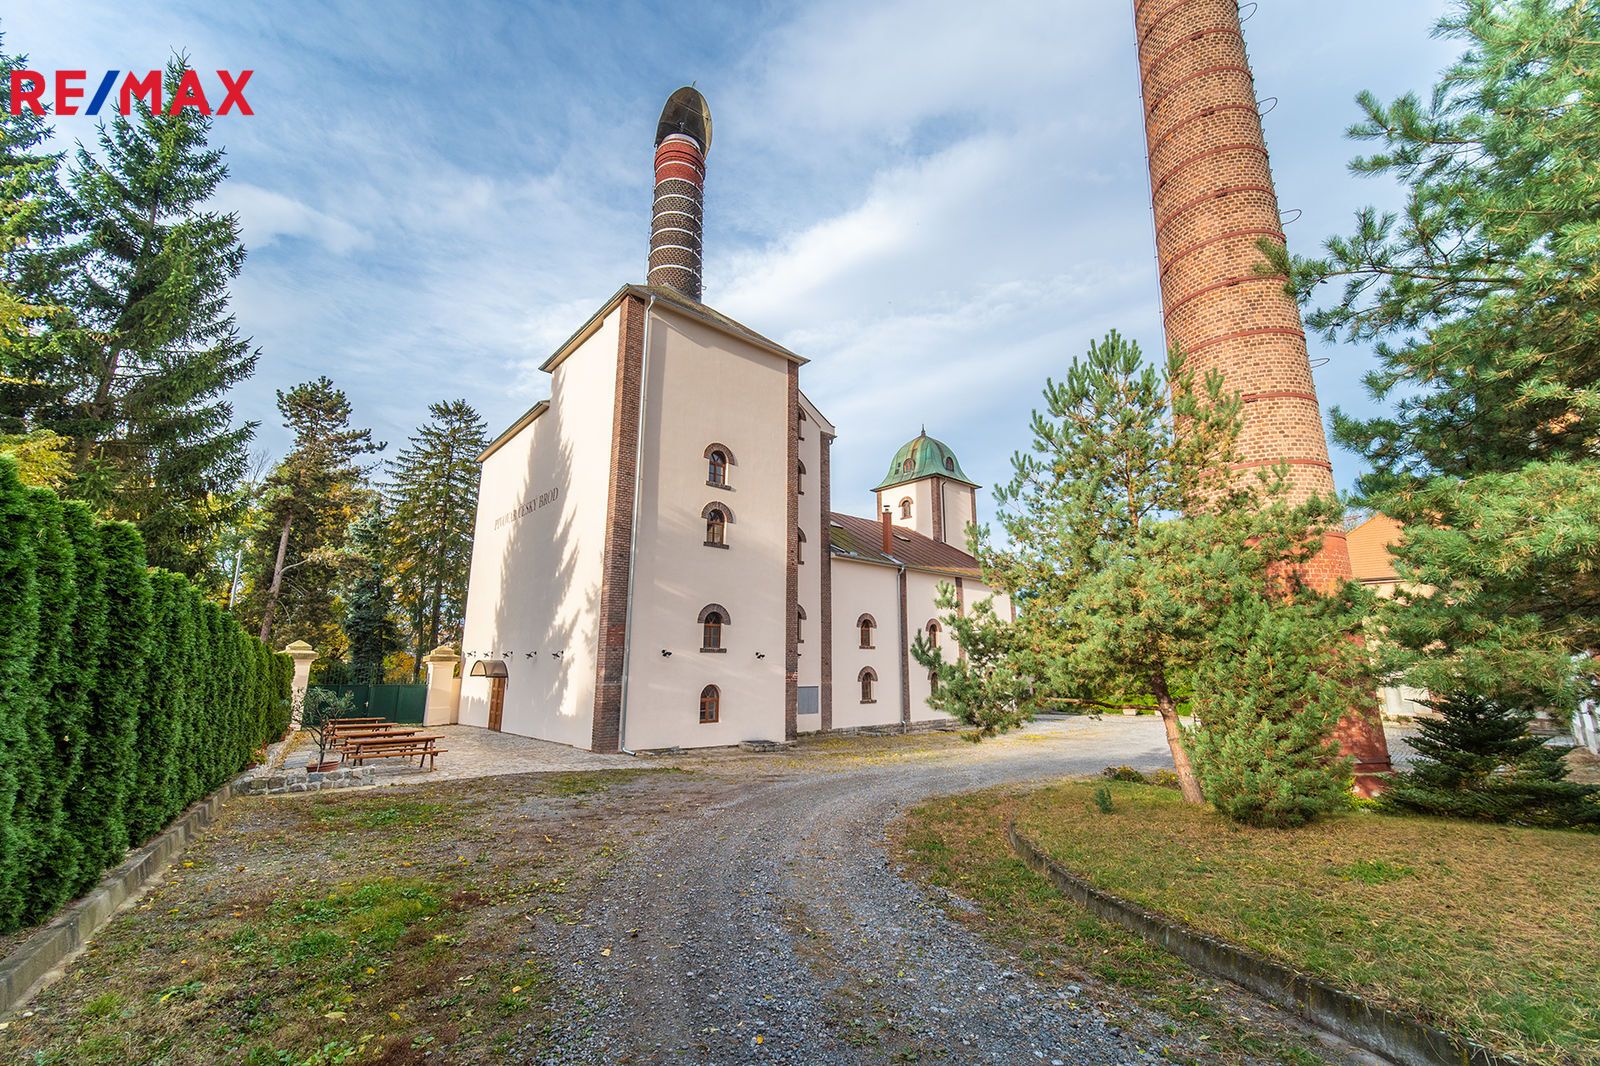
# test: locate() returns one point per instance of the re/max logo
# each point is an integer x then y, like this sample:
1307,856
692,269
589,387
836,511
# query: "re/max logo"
27,86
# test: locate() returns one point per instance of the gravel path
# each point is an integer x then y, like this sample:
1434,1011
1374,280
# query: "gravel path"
734,932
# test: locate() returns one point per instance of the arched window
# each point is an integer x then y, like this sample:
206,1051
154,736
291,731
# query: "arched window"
933,634
710,704
905,507
866,625
802,482
908,466
718,458
869,684
799,546
949,464
718,516
799,624
713,616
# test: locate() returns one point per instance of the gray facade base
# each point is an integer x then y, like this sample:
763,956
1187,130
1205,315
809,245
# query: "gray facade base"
1342,1013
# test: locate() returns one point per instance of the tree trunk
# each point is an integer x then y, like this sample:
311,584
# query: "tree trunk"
277,581
1187,782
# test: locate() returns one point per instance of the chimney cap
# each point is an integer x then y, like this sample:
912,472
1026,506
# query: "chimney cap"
686,112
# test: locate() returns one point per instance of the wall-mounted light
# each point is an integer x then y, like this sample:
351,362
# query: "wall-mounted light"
529,654
665,654
761,655
508,655
557,654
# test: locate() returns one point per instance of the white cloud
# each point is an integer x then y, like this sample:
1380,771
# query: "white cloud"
267,216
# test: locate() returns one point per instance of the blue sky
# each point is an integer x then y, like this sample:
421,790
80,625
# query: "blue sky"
938,204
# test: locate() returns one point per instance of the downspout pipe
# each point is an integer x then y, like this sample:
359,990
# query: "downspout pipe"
633,531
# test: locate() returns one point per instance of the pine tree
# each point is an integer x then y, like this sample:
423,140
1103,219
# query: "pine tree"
1273,684
1479,299
1476,760
369,629
981,686
435,492
306,508
1129,540
136,366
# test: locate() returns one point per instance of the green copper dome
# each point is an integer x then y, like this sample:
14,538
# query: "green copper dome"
924,457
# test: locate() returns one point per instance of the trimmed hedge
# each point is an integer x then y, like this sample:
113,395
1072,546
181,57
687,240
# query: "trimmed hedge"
124,697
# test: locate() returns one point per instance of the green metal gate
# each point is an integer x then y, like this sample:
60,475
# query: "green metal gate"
402,704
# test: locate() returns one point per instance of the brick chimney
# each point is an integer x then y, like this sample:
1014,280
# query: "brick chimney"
683,137
1211,188
888,531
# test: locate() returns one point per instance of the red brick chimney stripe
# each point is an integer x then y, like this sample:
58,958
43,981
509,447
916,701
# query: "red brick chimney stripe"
1172,261
1275,278
1144,75
1151,105
676,168
1218,194
1284,330
1176,167
1207,113
1279,394
1321,464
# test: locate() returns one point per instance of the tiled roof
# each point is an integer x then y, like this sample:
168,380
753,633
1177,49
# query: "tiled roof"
862,538
1369,548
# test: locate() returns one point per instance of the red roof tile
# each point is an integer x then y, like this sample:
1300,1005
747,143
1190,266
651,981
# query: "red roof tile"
862,538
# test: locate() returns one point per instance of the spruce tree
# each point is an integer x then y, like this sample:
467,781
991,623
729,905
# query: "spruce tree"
305,516
1477,760
136,366
370,632
434,488
1131,533
1478,299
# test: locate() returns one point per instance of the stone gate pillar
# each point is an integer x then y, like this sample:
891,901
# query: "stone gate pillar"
444,687
303,655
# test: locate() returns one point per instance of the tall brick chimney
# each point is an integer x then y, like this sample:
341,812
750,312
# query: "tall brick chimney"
1211,188
683,137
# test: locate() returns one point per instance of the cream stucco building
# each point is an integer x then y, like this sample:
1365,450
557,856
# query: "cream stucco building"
657,562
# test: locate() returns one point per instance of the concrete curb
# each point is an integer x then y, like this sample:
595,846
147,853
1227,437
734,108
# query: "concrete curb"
1345,1014
24,970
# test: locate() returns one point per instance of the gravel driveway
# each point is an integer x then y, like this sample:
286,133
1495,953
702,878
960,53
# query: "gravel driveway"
766,924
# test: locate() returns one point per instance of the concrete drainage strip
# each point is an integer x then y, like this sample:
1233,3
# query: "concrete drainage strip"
25,970
1342,1013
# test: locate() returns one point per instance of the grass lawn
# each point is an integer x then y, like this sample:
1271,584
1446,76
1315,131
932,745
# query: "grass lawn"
1485,930
388,926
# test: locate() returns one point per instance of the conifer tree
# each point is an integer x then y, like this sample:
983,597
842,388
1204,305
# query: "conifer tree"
435,492
135,367
19,627
1129,540
1479,300
1476,760
306,508
980,686
368,599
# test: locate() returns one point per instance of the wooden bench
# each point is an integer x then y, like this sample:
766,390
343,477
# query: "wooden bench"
423,747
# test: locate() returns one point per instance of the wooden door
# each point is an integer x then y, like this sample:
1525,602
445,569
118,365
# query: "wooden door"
497,701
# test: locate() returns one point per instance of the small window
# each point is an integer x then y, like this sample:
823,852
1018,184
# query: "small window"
866,625
933,634
949,464
715,523
717,469
799,546
869,685
710,704
905,507
799,625
908,466
711,632
802,481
